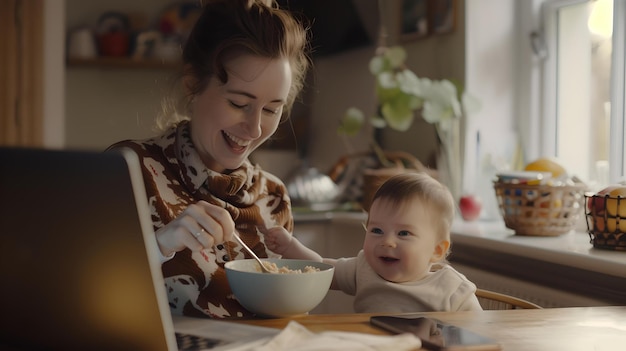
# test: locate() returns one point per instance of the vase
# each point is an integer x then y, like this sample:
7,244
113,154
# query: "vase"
449,158
448,174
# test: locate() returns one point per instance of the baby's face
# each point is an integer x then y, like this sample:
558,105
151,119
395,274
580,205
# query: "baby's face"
401,242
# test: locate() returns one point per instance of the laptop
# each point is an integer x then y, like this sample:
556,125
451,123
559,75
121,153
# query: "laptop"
79,266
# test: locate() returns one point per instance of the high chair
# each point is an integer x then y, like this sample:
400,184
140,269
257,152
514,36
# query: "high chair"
491,300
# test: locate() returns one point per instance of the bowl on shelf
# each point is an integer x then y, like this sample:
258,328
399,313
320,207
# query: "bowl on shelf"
279,294
524,177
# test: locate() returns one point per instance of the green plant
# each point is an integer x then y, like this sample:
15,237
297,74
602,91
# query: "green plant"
401,93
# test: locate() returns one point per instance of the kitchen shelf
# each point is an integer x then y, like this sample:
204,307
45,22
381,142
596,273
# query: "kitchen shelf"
122,62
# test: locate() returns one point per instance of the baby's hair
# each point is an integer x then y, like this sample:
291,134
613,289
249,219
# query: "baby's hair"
405,187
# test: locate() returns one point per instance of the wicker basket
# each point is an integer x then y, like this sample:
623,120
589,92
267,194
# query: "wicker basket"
606,230
363,173
540,210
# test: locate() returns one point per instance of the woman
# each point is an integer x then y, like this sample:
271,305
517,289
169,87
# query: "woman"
244,64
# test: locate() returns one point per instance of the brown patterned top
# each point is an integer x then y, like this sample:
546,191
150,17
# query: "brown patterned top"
175,177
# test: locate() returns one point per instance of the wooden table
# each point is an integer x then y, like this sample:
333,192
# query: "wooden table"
556,329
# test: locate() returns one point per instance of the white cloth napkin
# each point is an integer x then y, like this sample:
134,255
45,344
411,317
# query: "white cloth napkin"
297,337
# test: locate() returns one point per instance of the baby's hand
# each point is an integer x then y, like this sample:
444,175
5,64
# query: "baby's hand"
277,239
280,241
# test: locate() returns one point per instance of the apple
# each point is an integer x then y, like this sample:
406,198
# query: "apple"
470,206
598,224
596,204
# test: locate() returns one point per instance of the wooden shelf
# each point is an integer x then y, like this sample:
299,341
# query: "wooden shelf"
122,62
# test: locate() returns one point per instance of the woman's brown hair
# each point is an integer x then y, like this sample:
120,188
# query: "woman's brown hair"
227,27
258,27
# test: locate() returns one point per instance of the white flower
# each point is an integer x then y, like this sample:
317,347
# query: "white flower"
401,93
377,65
396,56
440,101
409,82
386,80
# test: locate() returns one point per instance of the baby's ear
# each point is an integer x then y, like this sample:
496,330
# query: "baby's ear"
441,251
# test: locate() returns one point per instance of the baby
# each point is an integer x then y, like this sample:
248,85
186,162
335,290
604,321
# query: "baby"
402,266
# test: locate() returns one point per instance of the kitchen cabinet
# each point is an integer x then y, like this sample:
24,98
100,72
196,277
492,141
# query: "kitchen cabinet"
334,235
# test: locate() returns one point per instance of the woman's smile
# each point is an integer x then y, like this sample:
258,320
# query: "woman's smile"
238,145
240,113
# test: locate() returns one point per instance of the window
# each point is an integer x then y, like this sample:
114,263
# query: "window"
583,87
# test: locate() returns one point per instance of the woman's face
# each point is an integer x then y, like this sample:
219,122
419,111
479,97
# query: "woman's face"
229,121
401,242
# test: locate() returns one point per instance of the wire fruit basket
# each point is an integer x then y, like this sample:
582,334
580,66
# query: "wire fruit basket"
606,221
540,209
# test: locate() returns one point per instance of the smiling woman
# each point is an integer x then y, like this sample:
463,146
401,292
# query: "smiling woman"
244,64
242,113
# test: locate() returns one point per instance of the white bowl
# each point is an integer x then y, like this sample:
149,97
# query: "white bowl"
279,294
524,177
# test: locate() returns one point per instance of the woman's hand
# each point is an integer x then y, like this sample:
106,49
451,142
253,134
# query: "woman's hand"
199,226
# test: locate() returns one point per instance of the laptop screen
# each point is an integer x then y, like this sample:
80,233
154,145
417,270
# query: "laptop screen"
74,267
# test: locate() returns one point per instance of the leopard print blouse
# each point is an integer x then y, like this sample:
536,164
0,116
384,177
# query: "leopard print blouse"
174,178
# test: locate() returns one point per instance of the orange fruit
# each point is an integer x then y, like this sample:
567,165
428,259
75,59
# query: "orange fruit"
612,202
545,164
611,225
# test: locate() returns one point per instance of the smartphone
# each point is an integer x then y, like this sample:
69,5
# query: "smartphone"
435,334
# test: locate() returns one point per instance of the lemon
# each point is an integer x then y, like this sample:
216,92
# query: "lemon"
545,164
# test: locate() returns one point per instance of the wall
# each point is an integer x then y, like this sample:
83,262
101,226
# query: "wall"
343,80
482,52
106,105
437,57
493,42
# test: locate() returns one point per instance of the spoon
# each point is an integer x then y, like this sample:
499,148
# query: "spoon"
263,268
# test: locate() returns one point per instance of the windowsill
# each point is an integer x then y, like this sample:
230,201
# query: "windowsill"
572,249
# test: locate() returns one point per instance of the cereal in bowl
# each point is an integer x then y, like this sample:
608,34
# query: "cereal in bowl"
272,267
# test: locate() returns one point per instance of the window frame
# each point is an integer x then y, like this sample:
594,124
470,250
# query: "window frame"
546,129
618,93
